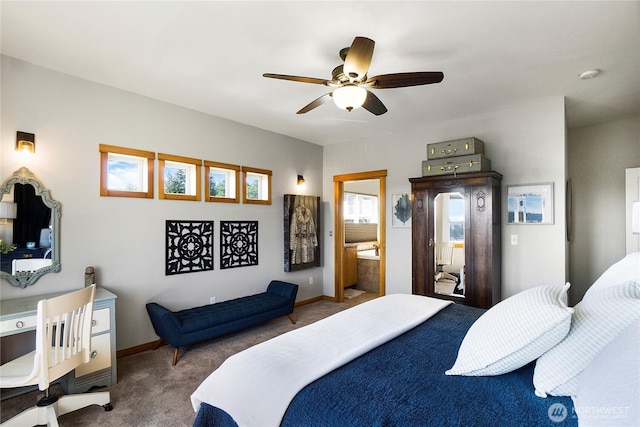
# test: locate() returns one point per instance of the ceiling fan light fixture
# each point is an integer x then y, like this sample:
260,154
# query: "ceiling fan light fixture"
349,97
350,84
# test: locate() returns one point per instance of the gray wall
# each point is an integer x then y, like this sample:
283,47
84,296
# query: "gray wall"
526,143
122,237
598,157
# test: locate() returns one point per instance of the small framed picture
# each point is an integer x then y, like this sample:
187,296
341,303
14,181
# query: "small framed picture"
530,204
401,207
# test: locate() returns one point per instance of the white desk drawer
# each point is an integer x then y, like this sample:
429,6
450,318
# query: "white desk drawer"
101,355
100,321
18,324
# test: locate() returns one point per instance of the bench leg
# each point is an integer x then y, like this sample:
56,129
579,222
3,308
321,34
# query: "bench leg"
291,318
175,356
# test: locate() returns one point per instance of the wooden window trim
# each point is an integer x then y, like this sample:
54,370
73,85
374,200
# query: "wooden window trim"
207,169
104,171
179,159
245,171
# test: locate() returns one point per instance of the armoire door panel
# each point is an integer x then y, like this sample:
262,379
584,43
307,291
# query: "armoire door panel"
482,221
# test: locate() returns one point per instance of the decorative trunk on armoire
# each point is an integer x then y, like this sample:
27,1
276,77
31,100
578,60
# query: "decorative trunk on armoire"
478,196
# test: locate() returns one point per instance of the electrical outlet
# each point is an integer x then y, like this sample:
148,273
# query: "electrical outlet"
514,239
212,300
311,280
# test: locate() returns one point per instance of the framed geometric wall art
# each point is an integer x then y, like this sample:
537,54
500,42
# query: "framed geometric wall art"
189,246
301,232
238,243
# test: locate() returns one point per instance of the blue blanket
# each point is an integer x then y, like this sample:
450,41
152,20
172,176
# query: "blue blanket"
402,383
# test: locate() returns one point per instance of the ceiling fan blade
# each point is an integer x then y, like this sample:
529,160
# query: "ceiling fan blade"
296,78
358,59
373,104
389,81
316,103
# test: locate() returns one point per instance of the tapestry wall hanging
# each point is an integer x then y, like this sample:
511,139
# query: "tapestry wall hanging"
301,232
189,246
238,243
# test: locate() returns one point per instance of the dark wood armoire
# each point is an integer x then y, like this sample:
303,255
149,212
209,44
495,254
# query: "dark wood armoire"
482,237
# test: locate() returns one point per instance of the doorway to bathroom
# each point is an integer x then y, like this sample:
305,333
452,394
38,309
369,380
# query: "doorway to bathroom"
359,241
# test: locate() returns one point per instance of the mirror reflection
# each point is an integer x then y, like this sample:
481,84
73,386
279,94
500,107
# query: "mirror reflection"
29,229
449,256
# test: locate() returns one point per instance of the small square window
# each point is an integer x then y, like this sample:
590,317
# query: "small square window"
256,186
179,177
126,172
221,182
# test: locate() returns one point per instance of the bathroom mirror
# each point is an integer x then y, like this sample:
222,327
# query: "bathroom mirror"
449,253
31,233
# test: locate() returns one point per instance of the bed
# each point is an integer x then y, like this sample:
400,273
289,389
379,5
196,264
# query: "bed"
408,380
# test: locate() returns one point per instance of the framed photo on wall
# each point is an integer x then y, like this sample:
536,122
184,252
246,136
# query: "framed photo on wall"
530,204
301,232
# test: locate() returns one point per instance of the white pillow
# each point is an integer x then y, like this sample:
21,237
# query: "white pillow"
628,268
597,320
514,332
609,388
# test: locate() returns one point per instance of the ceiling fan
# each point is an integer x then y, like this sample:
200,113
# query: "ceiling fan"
352,84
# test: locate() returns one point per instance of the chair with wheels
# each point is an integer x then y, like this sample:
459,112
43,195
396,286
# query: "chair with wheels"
444,256
63,342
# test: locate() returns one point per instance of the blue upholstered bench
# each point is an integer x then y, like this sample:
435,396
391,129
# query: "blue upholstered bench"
193,325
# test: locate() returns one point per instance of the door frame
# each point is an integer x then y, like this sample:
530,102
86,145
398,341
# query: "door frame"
338,203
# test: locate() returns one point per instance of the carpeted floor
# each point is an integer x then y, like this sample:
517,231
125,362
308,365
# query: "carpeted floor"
151,392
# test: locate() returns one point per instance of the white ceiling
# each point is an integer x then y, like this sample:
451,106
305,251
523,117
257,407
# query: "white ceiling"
210,56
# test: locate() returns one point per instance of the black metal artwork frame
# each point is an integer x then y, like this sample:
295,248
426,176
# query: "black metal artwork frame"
238,244
188,246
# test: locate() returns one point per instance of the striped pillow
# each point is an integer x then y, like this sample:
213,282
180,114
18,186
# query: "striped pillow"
597,320
514,332
628,268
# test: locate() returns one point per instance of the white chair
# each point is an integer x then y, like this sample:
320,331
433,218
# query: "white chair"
444,256
29,264
63,342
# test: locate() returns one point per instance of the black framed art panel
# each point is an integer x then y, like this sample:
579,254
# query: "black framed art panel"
302,247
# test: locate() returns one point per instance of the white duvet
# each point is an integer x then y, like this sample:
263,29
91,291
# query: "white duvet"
255,386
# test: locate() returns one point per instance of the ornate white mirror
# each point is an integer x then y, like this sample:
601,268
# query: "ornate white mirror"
30,230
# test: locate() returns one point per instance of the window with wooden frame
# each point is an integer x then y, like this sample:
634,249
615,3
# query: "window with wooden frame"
126,172
221,182
179,178
256,186
360,208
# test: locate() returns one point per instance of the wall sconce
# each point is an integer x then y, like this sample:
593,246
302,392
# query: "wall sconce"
300,179
26,142
635,218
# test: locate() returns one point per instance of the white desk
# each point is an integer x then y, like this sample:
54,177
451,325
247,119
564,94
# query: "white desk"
19,315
